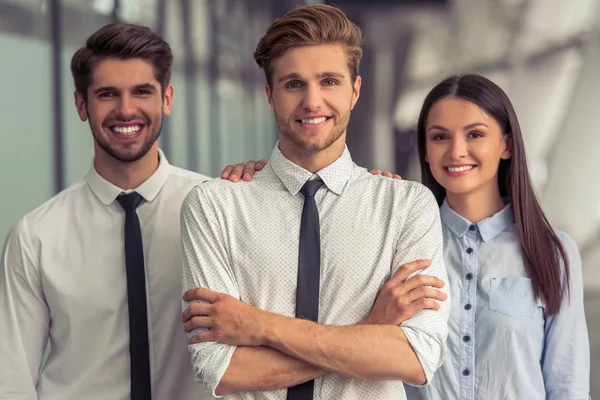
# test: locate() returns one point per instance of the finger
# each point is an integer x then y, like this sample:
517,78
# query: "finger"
375,171
260,164
387,174
405,270
201,294
396,176
238,170
226,172
425,293
202,337
198,323
249,170
423,304
196,309
422,280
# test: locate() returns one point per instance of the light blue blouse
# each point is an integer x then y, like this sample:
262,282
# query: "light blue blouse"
501,344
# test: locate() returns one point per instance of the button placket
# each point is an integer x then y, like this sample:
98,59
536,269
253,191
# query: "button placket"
467,361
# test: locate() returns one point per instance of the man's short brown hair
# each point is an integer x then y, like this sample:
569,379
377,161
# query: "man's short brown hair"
122,41
306,26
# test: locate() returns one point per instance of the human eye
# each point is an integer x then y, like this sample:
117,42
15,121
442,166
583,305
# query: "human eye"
474,135
439,136
330,82
293,85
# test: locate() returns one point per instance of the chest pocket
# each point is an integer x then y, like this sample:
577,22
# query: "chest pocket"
513,296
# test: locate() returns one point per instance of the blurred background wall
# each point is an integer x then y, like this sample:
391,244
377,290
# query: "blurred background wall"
544,53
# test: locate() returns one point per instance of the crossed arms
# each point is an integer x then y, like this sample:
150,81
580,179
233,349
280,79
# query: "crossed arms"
238,347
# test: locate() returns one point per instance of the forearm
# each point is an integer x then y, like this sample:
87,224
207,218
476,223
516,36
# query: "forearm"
366,352
263,368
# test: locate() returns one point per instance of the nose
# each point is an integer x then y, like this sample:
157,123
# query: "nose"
458,148
126,107
312,98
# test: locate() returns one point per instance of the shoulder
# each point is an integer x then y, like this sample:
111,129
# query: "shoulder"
48,215
187,176
567,241
571,251
219,190
403,191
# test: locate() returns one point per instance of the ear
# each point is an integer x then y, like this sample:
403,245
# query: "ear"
269,94
81,106
168,100
426,158
356,91
508,144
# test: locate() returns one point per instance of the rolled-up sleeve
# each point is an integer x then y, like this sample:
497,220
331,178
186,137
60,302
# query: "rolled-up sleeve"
422,239
206,264
566,359
24,316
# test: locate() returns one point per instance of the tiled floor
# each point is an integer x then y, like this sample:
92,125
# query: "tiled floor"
592,310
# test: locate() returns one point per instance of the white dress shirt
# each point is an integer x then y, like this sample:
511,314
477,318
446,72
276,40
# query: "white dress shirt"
63,278
243,239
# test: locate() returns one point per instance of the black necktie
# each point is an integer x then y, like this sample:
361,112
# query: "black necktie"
309,274
136,295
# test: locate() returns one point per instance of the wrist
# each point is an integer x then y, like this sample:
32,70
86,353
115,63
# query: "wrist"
269,329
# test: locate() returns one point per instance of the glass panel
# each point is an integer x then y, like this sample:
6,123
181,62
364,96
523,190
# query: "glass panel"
26,154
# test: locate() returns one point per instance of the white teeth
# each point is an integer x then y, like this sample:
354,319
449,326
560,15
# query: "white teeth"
460,169
128,130
314,120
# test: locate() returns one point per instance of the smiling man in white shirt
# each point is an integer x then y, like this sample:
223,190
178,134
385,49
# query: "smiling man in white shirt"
284,270
96,269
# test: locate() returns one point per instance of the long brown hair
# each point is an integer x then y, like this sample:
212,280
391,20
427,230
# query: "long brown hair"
541,247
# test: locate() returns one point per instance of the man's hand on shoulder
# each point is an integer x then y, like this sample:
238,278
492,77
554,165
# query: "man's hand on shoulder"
244,171
386,174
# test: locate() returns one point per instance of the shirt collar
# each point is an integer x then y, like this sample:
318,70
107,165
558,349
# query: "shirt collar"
335,175
489,228
149,189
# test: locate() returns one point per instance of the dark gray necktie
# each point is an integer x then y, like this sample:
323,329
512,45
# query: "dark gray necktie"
309,274
139,348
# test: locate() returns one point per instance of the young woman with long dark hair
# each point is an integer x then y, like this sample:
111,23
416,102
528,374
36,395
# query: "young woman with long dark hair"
517,325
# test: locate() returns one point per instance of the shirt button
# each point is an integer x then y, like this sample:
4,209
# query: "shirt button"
467,307
472,228
467,338
466,372
469,276
469,250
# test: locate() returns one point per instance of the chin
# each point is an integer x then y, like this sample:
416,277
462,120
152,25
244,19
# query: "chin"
312,143
457,189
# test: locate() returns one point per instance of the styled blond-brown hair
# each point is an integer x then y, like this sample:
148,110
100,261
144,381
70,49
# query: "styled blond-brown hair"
305,26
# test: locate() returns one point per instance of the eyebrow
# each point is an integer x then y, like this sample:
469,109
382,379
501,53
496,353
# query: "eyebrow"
322,75
143,86
465,128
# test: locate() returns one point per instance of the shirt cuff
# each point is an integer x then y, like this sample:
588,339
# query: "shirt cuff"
210,361
430,352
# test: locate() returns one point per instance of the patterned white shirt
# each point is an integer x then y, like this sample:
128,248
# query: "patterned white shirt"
243,239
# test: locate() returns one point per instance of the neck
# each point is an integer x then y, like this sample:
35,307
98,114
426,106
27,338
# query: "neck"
476,206
126,175
312,161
